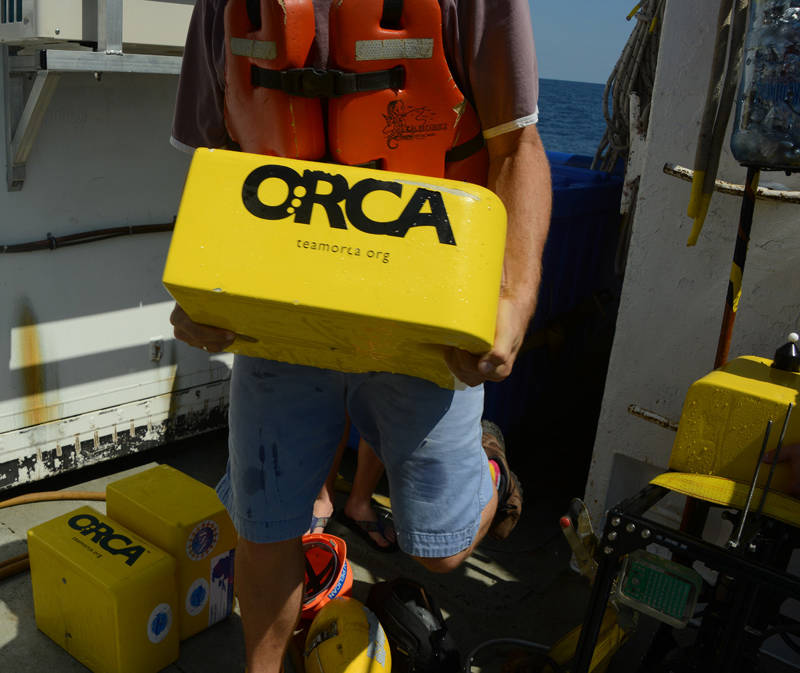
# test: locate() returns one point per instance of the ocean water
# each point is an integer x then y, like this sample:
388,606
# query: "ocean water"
571,116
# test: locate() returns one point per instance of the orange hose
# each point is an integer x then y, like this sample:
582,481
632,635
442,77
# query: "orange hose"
21,563
46,496
7,569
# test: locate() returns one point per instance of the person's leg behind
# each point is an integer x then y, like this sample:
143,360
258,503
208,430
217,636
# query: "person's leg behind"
359,512
324,505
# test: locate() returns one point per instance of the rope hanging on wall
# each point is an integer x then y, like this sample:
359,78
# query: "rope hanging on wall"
634,73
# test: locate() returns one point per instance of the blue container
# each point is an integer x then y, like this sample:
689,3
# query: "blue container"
571,332
579,254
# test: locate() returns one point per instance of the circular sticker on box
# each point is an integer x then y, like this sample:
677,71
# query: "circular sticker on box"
197,596
202,540
159,623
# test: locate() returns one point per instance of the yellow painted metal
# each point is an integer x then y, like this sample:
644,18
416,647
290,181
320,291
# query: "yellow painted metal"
722,491
103,593
724,418
611,637
337,267
184,517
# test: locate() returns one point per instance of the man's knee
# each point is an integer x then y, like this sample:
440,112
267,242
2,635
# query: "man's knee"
445,564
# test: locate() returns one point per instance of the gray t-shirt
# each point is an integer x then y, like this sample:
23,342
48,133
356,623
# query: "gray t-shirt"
488,44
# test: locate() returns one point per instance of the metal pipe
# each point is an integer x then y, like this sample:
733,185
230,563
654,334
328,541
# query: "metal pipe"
109,26
735,544
737,267
590,631
774,460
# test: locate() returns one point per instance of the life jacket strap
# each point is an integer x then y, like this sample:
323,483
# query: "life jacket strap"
317,83
465,149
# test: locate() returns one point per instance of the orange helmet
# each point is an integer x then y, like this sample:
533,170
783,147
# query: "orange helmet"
328,574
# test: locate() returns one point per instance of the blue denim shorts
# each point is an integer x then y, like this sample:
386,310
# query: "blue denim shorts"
286,421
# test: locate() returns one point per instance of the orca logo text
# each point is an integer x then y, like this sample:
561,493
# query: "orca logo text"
338,199
103,535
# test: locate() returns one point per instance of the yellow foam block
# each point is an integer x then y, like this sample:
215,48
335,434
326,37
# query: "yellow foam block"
103,593
185,518
724,417
337,267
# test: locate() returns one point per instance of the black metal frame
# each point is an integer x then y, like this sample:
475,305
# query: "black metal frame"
627,529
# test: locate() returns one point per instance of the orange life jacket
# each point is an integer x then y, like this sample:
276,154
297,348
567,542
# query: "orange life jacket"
390,96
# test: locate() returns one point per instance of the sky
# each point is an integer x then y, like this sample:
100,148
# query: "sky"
580,40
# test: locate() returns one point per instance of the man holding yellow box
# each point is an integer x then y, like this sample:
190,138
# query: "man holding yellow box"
364,82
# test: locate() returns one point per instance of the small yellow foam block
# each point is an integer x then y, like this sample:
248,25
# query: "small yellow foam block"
184,517
724,418
338,267
103,593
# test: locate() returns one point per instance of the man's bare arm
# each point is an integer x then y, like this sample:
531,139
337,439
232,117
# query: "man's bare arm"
519,174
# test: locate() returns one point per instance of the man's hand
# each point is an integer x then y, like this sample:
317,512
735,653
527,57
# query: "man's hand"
512,323
791,455
211,339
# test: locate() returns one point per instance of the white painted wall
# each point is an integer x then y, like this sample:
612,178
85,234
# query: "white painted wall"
76,323
673,296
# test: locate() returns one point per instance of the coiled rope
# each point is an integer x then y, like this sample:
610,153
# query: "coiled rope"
634,73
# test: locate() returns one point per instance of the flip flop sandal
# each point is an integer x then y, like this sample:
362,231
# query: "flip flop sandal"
364,528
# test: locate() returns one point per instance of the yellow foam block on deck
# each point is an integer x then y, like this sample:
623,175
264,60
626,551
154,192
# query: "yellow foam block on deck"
724,417
103,593
337,267
184,517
